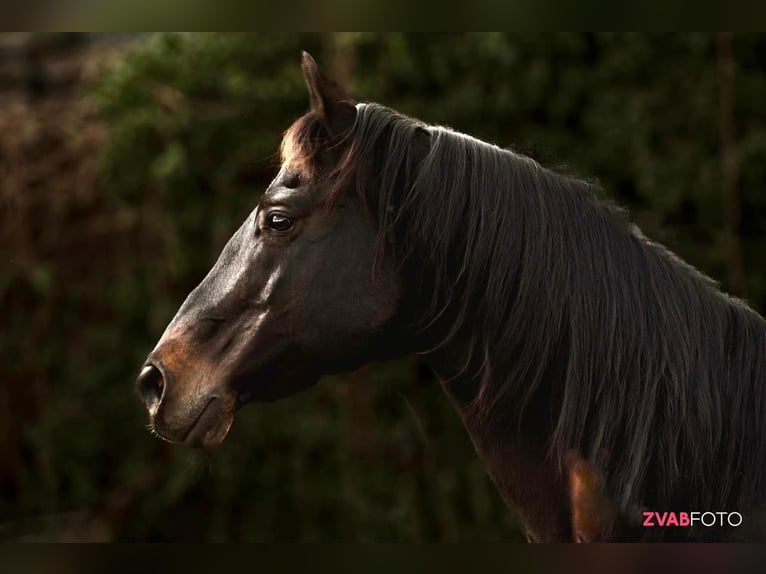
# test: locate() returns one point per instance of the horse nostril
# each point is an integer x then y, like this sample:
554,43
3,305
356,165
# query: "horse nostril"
151,385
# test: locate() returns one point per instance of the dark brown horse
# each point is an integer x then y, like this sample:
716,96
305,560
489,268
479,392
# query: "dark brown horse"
554,324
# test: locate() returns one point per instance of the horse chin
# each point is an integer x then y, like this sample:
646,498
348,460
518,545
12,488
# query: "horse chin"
210,435
211,425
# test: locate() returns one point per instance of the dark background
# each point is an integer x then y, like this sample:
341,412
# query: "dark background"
126,162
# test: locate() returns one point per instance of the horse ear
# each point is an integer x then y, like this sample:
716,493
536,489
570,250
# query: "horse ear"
328,100
594,515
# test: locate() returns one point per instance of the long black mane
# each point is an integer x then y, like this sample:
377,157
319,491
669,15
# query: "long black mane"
656,373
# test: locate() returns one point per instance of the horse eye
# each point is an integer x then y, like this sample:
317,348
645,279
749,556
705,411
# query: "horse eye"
279,222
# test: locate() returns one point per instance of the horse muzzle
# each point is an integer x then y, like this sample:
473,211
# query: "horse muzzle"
183,407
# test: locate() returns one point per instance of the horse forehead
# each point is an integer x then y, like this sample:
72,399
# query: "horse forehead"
279,195
300,197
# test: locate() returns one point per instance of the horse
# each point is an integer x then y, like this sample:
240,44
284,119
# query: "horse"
552,323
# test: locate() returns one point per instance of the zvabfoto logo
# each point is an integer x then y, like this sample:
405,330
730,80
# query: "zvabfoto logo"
692,519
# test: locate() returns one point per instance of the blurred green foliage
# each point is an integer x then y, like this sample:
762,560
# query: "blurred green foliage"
194,123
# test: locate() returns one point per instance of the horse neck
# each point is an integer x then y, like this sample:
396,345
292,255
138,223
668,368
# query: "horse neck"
515,456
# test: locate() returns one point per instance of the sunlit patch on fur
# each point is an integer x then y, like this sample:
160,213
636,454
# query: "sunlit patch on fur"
582,481
300,146
287,149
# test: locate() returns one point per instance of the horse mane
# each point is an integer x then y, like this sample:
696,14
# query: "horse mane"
655,372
